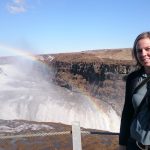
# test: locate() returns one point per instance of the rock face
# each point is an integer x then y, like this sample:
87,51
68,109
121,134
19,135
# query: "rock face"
101,78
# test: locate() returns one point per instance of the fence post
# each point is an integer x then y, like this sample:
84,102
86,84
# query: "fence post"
76,136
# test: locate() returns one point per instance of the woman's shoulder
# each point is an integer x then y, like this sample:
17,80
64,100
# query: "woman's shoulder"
135,74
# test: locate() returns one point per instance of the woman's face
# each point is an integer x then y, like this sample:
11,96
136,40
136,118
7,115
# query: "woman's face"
143,52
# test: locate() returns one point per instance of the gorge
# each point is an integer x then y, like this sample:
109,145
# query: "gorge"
62,88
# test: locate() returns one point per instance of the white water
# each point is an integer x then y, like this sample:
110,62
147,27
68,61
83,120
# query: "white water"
26,92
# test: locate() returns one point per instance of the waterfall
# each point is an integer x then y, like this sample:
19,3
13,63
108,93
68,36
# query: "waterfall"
27,93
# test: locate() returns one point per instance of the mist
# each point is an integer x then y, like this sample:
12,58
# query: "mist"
28,93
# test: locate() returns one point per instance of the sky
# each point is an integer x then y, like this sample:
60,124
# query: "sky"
60,26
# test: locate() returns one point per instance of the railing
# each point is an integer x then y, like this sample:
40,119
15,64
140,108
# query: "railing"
76,135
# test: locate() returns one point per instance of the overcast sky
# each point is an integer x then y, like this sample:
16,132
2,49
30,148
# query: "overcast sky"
56,26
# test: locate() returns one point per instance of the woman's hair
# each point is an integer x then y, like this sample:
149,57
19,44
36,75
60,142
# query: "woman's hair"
139,37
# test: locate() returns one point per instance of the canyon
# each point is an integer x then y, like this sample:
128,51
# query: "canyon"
93,81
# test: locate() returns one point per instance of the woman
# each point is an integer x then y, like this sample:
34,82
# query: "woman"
141,53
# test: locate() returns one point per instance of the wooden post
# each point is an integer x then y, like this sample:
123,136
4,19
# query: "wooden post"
76,136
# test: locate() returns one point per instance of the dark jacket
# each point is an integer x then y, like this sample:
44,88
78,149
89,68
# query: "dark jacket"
128,110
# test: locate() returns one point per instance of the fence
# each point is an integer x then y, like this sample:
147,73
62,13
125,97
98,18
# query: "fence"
75,132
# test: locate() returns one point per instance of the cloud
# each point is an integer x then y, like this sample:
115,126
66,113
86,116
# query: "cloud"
17,6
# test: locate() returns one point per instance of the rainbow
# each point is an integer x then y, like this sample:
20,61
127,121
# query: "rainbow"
33,57
18,51
24,53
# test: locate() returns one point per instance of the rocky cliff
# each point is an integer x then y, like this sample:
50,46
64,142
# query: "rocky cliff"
100,74
101,78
